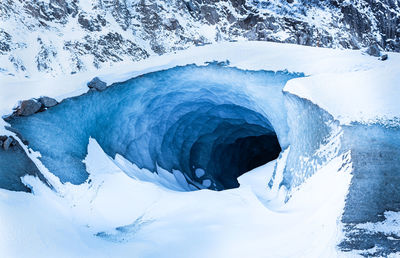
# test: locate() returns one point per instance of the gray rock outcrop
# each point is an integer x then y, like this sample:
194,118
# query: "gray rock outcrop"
373,50
47,102
97,84
28,107
384,57
119,30
7,143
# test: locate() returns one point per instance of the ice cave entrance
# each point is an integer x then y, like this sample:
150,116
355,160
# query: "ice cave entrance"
212,123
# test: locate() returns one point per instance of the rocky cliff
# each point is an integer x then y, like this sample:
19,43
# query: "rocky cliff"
58,37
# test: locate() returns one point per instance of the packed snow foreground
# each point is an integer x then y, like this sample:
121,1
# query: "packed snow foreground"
132,171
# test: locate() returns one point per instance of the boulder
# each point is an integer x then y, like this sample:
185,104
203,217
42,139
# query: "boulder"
373,50
384,57
47,101
97,84
28,107
7,143
2,139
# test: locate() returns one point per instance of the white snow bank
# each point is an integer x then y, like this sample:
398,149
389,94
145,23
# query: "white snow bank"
245,55
366,96
118,216
90,220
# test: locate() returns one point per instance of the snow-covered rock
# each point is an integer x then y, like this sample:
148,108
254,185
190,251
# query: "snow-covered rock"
62,37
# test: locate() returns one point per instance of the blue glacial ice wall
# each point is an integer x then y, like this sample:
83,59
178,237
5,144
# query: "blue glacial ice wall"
314,136
212,123
14,164
374,189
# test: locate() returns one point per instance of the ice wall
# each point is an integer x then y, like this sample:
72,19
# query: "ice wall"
14,164
212,123
374,188
315,139
375,151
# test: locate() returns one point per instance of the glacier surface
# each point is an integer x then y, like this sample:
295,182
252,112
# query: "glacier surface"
114,158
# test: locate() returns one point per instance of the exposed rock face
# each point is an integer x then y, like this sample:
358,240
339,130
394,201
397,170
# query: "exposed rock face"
374,50
3,138
47,102
97,84
7,143
74,35
28,107
32,106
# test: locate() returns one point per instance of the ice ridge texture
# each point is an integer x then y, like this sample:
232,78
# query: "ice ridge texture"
212,123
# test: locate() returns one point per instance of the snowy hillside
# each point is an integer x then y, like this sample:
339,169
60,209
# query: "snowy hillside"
64,37
131,170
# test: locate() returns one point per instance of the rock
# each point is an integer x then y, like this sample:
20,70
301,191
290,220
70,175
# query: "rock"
28,107
97,84
373,50
3,138
210,14
47,101
7,143
384,57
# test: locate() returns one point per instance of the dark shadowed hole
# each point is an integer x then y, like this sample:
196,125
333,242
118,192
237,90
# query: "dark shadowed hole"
244,155
231,150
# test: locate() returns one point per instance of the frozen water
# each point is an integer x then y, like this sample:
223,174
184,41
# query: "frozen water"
212,123
314,140
222,120
14,163
199,172
156,120
375,151
373,192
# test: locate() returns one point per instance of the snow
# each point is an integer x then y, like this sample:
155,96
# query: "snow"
364,96
390,226
348,69
124,211
119,216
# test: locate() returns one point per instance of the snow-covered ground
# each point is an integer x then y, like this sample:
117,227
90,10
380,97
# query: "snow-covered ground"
358,80
116,215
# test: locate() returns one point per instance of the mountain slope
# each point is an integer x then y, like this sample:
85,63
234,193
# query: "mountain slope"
62,37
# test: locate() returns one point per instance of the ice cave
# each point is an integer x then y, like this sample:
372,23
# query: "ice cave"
207,123
199,128
239,156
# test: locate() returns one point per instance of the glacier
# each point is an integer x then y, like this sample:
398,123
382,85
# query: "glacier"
307,135
210,123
